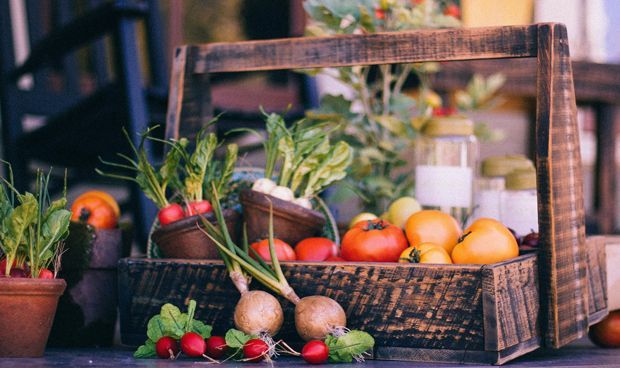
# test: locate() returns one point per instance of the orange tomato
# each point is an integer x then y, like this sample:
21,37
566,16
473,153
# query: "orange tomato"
94,211
105,196
485,241
425,253
432,226
284,252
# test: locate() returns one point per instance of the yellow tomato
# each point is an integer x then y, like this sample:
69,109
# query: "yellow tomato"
364,216
105,197
485,241
432,226
425,253
400,210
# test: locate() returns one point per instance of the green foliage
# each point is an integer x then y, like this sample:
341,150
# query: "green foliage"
171,322
235,339
350,346
32,227
382,121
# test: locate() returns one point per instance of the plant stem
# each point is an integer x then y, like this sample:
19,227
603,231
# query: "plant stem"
402,78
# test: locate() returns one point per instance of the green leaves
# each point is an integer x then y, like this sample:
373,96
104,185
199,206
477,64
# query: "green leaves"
350,346
235,339
171,322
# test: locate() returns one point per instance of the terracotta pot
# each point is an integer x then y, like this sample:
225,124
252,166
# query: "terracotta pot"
183,239
291,222
28,307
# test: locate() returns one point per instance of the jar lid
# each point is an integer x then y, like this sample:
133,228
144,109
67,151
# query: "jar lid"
502,165
449,125
521,179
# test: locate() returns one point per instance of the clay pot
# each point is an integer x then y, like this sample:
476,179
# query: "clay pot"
291,222
28,307
183,239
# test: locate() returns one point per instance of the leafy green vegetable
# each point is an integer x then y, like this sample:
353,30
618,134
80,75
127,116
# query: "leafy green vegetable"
235,339
31,231
171,322
350,346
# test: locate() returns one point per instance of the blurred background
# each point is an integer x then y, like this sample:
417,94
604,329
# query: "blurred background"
105,65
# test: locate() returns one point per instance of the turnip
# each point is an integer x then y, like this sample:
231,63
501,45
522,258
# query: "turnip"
317,316
283,193
303,202
216,347
257,313
167,347
264,185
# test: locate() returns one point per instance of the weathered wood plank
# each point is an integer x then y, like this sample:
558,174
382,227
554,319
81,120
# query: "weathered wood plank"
561,214
378,48
597,278
438,307
511,303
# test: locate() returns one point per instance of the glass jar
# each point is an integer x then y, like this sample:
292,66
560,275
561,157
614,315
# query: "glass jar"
491,183
446,155
519,205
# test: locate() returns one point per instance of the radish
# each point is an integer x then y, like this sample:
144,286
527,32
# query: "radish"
198,208
46,274
304,202
193,345
315,352
170,213
216,347
167,347
255,350
283,193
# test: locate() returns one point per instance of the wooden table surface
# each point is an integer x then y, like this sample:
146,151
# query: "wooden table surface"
579,354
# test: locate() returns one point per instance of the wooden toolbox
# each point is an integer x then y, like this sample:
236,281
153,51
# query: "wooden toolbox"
457,313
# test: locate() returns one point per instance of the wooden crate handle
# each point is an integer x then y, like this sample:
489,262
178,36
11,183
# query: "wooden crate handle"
560,193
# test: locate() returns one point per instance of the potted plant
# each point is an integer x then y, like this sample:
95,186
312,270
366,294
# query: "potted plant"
178,186
383,108
32,229
308,162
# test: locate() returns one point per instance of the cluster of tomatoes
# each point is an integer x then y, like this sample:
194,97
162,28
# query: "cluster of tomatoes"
427,236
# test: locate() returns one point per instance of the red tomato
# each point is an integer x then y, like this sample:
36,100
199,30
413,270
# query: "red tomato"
94,211
335,259
315,249
284,252
373,241
380,13
46,274
452,10
171,213
198,208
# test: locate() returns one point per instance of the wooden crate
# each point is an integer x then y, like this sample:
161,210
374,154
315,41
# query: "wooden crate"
471,313
464,313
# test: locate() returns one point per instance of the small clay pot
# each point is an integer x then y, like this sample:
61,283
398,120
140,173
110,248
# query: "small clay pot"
28,307
291,222
183,239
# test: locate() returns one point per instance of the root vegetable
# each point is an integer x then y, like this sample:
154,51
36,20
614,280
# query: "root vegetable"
315,352
258,312
171,213
264,185
303,202
216,347
283,193
167,347
46,274
317,316
255,350
193,345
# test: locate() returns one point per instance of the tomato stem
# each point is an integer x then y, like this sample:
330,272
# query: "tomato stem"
463,237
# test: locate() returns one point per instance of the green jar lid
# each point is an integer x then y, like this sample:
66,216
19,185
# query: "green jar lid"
440,126
502,165
521,179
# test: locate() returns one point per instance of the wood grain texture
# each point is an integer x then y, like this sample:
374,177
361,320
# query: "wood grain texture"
561,214
511,303
424,306
378,48
597,278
